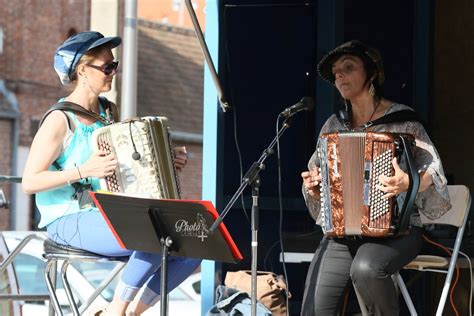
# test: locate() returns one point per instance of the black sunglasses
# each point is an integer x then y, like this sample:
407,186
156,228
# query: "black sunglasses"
107,69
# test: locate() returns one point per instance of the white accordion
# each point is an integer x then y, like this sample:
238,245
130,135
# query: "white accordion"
145,158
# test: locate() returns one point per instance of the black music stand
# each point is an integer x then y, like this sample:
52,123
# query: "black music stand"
176,227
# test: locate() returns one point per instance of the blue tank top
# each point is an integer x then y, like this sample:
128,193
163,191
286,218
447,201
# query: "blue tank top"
59,202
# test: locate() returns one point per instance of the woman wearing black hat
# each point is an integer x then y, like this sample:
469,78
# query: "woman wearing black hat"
61,160
356,70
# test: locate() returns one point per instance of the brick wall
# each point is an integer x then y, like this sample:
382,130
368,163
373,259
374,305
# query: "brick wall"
33,30
191,176
5,145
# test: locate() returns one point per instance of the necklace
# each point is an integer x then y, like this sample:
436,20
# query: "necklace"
369,122
375,110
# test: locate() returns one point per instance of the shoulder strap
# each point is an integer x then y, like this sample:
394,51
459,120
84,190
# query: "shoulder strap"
111,109
395,117
70,106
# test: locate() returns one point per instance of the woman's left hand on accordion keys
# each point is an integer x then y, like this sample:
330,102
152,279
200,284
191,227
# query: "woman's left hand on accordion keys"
180,157
396,184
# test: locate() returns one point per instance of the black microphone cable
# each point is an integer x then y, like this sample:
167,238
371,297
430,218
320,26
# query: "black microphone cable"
280,202
234,111
135,155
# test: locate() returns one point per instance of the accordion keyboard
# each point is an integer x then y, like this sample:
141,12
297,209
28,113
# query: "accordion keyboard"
379,205
149,174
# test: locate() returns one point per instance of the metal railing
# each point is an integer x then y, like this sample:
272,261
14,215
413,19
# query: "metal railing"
16,295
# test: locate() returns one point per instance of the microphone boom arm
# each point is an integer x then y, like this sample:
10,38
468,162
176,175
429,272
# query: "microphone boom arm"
197,28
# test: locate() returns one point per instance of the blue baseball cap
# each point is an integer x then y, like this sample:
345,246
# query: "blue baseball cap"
70,52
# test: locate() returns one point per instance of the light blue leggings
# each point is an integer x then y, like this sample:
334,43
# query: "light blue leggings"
89,231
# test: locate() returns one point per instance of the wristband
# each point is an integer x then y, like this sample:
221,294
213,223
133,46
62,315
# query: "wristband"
67,179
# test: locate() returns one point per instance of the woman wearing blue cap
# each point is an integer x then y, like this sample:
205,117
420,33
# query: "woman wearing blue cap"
61,156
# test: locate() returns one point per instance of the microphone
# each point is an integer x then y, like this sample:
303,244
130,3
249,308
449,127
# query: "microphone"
305,104
135,155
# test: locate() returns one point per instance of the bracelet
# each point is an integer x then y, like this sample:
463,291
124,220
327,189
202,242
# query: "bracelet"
80,176
67,179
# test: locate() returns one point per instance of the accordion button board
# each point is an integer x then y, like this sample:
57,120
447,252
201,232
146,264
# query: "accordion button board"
153,174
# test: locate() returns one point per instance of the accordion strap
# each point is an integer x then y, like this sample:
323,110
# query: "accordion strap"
413,186
394,117
76,108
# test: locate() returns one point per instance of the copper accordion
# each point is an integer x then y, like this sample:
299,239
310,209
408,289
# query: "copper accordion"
351,163
145,158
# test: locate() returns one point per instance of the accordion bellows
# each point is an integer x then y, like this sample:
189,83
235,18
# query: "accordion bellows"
152,175
351,163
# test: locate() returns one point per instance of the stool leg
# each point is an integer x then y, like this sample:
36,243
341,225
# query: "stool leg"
100,288
54,267
67,288
51,309
50,277
397,278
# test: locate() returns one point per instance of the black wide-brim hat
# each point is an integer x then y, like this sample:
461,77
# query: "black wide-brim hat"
354,48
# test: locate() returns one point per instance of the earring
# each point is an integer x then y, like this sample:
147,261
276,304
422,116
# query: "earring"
346,106
84,81
372,89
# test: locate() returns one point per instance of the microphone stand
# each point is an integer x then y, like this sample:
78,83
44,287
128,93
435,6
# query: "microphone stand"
252,177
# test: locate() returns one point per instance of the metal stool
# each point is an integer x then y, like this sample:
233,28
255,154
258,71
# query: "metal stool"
54,252
6,266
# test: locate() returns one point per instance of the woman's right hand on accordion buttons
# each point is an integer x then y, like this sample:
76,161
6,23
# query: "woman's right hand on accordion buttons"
311,181
99,165
180,157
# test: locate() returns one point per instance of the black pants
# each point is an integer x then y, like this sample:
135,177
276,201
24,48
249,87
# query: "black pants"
368,262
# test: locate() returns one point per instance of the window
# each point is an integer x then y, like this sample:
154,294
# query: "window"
30,273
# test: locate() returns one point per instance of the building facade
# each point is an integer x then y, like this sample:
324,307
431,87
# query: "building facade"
172,12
